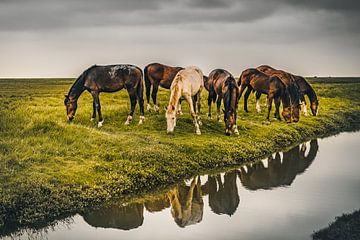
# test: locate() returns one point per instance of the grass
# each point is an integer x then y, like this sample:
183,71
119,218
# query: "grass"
49,168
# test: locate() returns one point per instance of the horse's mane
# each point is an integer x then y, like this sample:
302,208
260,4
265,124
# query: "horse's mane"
230,83
175,90
79,82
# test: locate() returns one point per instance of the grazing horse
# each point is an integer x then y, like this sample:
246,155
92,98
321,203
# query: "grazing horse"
257,81
306,89
188,84
157,74
222,85
291,85
111,78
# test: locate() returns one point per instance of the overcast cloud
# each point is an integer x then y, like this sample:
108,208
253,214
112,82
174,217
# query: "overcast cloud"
60,38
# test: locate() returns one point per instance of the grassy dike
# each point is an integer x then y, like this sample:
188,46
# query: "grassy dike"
50,169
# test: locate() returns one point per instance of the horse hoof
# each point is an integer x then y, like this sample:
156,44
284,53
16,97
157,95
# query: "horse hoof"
209,117
219,120
127,123
236,132
198,132
148,108
142,120
157,109
100,124
92,119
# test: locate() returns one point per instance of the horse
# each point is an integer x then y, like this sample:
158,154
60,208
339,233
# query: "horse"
306,89
157,74
292,86
222,86
110,78
257,81
188,84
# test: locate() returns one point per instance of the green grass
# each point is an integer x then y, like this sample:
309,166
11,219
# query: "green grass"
49,168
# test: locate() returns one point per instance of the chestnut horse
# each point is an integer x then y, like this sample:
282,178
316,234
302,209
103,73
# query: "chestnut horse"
188,84
157,74
291,85
257,81
306,89
222,85
111,78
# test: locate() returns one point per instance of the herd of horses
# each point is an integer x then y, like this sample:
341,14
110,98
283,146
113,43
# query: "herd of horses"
187,84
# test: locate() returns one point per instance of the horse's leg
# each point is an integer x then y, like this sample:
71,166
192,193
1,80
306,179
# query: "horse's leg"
96,98
197,107
93,116
179,111
193,114
140,99
133,97
236,131
246,96
277,106
218,105
153,95
211,96
258,95
148,88
270,99
303,104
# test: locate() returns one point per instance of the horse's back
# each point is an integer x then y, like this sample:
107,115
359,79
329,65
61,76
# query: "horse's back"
192,79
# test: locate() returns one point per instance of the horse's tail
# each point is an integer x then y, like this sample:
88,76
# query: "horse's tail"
147,84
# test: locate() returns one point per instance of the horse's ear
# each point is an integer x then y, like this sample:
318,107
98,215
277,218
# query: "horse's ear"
173,108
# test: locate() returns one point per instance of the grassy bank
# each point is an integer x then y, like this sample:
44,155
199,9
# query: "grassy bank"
49,168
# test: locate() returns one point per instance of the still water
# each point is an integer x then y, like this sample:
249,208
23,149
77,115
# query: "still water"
286,196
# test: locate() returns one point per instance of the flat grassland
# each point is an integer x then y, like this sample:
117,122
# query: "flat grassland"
49,168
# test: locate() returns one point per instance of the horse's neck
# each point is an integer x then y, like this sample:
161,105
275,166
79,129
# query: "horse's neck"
77,89
311,94
176,94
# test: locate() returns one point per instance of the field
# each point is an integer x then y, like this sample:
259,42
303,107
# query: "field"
50,168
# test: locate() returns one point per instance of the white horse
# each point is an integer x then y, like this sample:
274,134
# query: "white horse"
188,84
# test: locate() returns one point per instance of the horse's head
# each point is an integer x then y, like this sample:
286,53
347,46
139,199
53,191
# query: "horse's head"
314,107
230,121
71,106
170,118
295,113
286,113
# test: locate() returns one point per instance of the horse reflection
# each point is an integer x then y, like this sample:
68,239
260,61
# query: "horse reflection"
121,217
187,205
279,173
223,196
157,203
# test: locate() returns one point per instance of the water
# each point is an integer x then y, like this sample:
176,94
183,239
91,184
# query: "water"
287,196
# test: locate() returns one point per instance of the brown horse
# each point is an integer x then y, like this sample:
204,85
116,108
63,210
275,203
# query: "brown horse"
111,78
222,85
157,74
306,89
257,81
291,85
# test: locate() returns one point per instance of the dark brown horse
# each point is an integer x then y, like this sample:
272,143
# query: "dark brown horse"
306,89
157,74
257,81
291,85
222,85
111,78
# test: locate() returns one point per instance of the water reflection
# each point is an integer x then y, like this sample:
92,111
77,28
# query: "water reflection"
280,172
223,195
121,217
186,200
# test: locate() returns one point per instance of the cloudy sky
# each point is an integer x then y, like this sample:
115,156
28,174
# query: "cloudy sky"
61,38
